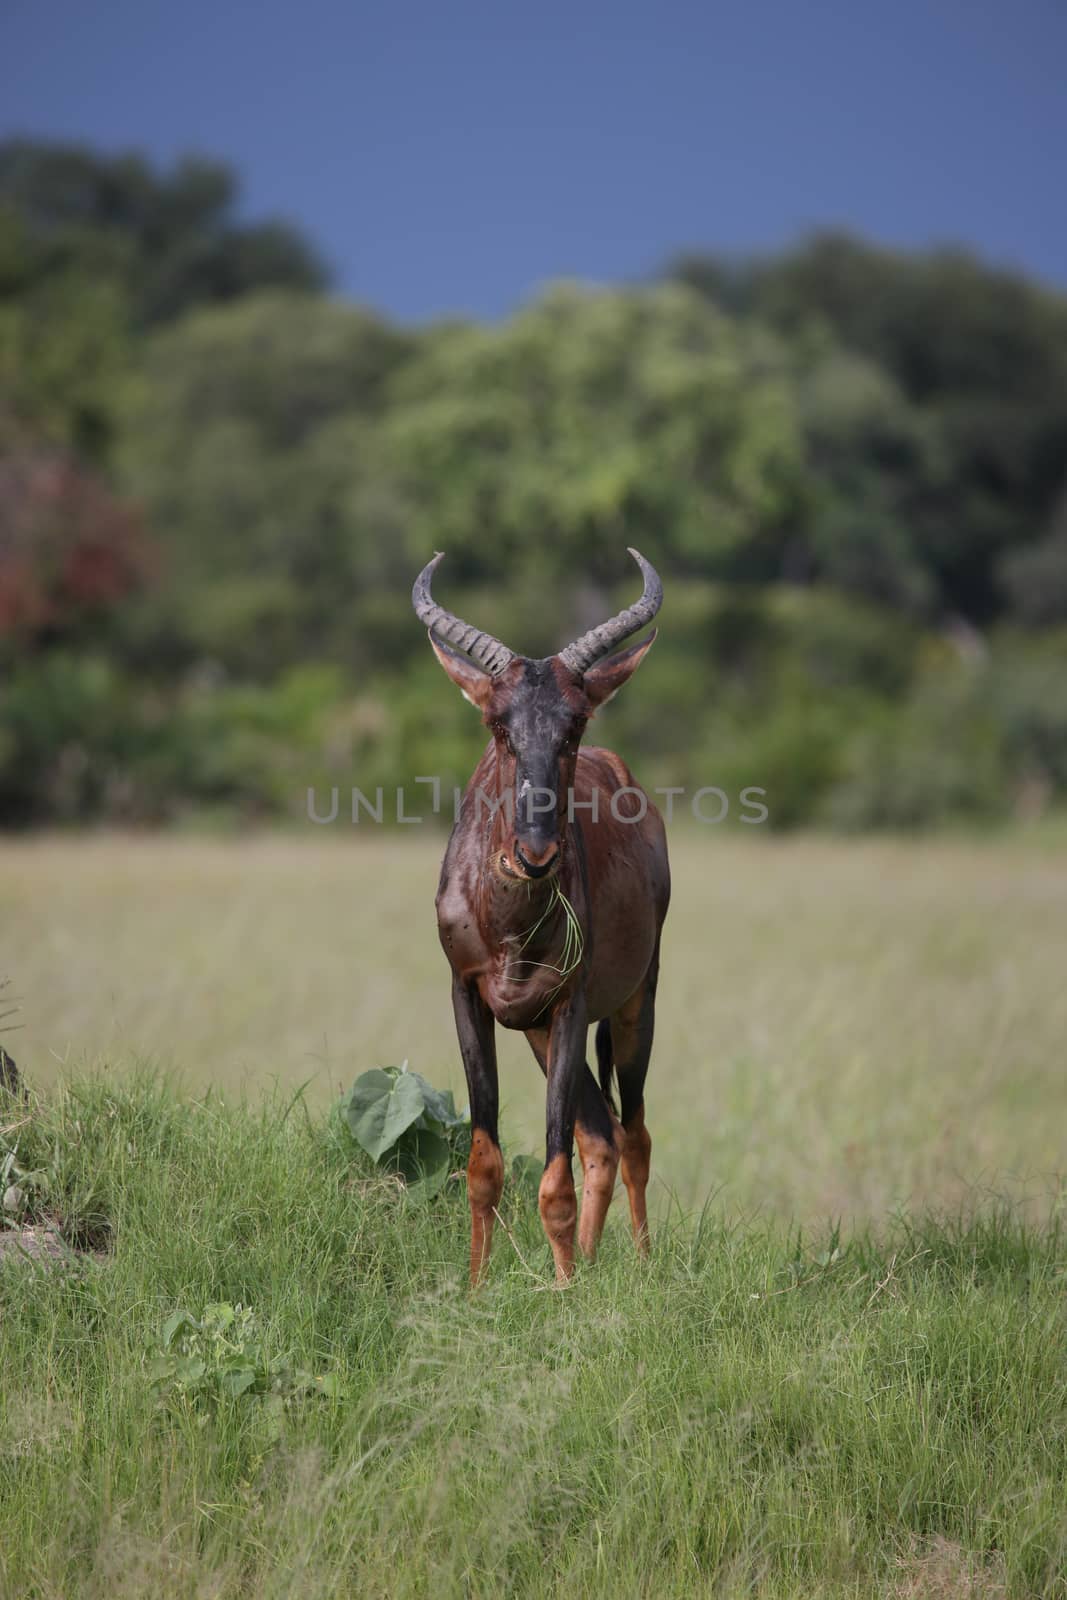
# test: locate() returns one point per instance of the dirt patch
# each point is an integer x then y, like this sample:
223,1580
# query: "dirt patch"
941,1569
35,1242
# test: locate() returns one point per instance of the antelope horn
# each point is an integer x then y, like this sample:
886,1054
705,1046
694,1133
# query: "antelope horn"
487,652
580,655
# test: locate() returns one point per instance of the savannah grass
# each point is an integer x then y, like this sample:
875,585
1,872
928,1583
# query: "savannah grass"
862,1039
842,1028
756,1410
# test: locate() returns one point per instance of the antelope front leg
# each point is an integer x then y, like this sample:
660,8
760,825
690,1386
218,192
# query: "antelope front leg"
485,1169
566,1063
599,1138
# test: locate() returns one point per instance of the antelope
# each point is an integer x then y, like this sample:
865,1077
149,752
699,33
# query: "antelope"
553,892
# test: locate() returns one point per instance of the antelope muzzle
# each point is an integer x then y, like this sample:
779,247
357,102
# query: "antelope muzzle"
536,847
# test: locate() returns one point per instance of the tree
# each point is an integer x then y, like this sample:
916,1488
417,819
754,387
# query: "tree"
251,438
980,357
63,351
1035,578
69,549
591,420
169,239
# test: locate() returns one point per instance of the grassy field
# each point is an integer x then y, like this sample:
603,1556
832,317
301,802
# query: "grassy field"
842,1027
750,1413
844,1375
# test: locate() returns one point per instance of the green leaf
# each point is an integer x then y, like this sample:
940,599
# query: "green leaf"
175,1323
219,1314
439,1104
381,1107
423,1158
237,1381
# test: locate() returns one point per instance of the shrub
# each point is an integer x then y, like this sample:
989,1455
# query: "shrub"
940,759
406,1126
223,1355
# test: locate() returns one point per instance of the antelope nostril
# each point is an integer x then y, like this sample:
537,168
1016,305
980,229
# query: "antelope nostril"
536,869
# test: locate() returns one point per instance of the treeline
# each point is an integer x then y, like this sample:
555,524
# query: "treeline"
217,482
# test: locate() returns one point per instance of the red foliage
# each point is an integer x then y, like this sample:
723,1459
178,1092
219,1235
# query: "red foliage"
68,546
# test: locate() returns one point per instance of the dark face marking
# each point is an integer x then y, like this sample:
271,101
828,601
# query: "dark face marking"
538,715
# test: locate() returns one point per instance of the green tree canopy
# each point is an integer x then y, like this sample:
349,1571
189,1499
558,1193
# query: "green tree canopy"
980,357
251,436
217,483
171,239
594,419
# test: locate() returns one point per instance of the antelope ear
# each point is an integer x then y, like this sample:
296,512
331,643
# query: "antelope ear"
606,678
474,684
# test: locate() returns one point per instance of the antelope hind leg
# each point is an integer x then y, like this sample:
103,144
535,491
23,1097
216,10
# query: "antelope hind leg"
631,1041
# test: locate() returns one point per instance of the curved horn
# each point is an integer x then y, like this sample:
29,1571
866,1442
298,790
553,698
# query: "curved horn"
580,655
487,652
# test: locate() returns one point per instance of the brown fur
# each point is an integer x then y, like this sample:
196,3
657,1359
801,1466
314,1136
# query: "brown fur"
558,1205
480,911
636,1159
503,932
599,1158
485,1185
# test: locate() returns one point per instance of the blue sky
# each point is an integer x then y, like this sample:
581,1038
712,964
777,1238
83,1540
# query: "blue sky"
453,157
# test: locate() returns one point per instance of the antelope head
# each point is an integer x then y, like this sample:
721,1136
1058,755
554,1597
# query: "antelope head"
537,710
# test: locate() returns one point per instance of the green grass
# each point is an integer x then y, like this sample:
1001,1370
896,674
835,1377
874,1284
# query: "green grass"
843,1027
882,1412
859,1048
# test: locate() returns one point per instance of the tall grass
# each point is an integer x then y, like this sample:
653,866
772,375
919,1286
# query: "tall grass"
754,1411
840,1028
